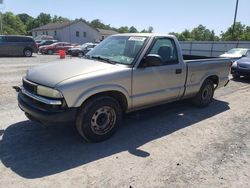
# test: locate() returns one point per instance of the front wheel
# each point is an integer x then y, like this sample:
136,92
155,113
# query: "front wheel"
80,54
205,95
98,119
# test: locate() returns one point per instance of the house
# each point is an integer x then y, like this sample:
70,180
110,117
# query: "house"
77,31
104,33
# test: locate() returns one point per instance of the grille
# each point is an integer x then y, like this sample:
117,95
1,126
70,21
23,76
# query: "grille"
29,86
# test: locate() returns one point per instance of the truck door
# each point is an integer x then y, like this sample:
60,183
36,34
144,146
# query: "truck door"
154,84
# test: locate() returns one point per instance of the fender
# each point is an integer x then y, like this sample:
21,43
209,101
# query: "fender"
103,88
208,75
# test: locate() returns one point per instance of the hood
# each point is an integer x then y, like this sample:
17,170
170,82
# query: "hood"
244,62
231,55
53,73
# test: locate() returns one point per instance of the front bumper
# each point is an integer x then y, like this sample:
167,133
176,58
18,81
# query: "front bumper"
240,71
45,113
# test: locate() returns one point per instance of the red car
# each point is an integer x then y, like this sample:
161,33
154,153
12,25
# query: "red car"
54,48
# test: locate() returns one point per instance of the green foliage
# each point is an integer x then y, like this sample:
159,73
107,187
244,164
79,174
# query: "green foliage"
58,19
132,29
123,29
200,33
241,32
12,24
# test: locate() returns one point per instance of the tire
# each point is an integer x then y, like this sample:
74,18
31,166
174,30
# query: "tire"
80,54
205,96
50,52
99,118
236,76
27,53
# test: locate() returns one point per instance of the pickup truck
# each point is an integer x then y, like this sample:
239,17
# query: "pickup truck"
124,73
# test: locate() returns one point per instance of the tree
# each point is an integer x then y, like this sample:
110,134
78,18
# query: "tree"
200,33
98,24
150,29
132,29
241,32
43,19
25,18
12,25
123,29
59,19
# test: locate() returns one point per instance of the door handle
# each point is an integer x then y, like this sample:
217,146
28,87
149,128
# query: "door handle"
178,71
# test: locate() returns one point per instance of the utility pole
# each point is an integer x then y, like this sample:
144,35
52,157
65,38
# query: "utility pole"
1,18
235,17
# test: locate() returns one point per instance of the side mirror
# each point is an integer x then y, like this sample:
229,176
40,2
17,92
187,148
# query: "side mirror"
152,60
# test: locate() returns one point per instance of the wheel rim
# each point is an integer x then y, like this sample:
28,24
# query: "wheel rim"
207,92
50,52
27,53
103,120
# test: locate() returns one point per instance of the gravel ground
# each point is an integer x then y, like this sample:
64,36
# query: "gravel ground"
173,145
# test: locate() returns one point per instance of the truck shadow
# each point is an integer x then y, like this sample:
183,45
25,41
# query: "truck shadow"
33,151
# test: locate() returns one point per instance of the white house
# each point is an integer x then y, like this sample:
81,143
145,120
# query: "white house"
77,31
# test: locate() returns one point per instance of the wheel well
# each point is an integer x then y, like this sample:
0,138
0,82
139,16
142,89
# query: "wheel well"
120,97
214,79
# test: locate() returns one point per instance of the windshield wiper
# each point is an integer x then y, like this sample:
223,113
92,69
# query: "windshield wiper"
103,59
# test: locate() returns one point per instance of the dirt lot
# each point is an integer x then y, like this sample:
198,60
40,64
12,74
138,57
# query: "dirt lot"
174,145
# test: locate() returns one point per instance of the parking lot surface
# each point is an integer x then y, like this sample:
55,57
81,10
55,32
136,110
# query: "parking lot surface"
173,145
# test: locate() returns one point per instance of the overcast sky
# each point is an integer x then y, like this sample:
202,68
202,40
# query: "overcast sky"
164,15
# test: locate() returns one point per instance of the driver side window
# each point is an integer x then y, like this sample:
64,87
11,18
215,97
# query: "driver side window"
166,49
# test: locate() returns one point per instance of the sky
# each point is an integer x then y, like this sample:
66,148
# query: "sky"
164,15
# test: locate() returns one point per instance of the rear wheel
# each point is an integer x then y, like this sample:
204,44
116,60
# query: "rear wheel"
98,119
205,95
27,52
50,52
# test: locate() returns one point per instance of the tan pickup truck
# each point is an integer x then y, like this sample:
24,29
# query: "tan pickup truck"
124,73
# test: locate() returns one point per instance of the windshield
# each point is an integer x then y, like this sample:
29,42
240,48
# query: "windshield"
118,49
237,51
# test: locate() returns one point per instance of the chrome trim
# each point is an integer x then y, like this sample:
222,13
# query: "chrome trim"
41,99
29,82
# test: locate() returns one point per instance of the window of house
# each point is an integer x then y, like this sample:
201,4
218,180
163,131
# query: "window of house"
103,37
55,33
47,33
84,34
77,33
36,34
43,33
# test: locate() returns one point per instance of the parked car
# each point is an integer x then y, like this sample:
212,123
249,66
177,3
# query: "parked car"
241,67
11,45
81,50
54,48
46,42
236,53
124,73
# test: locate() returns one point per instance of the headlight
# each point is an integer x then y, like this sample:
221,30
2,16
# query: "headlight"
234,64
48,92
